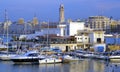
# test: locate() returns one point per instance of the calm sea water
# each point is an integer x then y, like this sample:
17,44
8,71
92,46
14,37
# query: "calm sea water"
87,65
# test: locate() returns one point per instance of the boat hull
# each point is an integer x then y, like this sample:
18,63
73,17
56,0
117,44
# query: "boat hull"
50,61
114,58
26,61
6,57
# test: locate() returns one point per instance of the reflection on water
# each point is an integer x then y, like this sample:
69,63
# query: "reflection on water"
113,67
86,65
50,68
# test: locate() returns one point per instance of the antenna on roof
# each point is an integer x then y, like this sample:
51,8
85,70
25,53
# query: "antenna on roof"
34,14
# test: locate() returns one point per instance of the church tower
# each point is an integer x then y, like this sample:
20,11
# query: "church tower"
61,11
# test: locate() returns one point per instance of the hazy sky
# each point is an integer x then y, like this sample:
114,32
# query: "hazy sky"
49,9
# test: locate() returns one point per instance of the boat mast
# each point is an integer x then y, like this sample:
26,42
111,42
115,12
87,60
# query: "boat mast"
25,33
6,21
47,35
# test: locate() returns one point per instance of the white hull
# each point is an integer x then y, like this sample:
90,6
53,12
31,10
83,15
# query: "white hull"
68,58
114,58
7,56
101,57
49,61
89,56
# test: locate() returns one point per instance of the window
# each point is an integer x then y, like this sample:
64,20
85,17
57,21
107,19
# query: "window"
99,40
34,54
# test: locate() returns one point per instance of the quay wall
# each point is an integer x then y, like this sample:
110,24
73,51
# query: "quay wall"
114,47
69,47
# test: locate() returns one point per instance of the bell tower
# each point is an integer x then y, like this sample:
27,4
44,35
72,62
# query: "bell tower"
61,11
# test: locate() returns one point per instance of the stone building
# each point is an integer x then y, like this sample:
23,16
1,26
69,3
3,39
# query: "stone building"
100,23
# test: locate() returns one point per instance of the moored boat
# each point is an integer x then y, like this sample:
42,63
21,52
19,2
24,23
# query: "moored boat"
6,56
30,57
114,58
68,58
49,60
102,57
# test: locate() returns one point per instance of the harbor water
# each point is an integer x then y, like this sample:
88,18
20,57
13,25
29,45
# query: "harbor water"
87,65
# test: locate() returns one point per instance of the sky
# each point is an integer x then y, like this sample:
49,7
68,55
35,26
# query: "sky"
49,9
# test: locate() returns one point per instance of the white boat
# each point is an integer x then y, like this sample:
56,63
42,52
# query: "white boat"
30,57
114,58
3,47
68,58
49,60
3,43
102,57
89,55
6,57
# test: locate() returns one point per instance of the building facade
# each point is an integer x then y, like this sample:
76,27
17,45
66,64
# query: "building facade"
73,27
99,23
96,37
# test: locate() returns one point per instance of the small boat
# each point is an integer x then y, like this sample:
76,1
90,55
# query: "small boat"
68,58
6,56
30,57
89,55
114,58
49,60
102,57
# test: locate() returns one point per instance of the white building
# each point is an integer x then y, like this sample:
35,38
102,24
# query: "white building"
73,27
62,29
66,29
82,39
96,36
55,31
